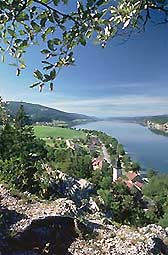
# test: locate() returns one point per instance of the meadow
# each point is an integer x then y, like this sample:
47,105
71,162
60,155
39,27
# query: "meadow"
66,133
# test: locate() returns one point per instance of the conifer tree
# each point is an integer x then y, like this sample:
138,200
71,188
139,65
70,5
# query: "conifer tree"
21,118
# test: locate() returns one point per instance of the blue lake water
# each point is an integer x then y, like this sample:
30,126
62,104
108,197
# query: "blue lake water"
144,146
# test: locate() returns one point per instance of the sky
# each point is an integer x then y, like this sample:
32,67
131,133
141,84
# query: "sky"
124,79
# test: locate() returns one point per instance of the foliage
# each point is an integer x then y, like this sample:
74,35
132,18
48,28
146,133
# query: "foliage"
3,113
164,221
73,162
135,167
120,150
58,28
156,191
40,113
159,119
21,156
20,143
157,188
21,119
124,205
151,173
21,174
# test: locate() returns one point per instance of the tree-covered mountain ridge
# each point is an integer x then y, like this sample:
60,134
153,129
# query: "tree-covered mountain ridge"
160,119
40,113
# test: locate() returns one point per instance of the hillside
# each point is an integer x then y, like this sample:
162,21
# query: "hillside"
40,113
161,119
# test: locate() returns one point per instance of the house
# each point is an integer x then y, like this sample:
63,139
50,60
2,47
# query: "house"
134,179
97,163
131,179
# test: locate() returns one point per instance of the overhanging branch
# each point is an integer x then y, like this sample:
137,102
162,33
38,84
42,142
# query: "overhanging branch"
57,11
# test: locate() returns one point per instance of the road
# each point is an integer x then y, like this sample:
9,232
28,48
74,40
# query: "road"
105,154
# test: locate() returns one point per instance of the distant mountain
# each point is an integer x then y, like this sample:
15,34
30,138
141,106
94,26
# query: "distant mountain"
161,119
40,113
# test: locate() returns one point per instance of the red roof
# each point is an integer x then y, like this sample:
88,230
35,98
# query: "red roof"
139,184
129,184
131,175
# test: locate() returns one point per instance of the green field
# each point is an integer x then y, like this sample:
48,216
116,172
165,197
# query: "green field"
67,133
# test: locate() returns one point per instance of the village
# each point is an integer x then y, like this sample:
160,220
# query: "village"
121,170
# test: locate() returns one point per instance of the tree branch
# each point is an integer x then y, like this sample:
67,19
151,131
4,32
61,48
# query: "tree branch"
147,17
22,9
158,8
58,12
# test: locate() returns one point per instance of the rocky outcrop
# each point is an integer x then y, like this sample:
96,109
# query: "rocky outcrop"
48,235
33,226
69,187
39,227
124,240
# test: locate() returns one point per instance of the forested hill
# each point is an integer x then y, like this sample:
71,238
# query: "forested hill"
160,119
39,113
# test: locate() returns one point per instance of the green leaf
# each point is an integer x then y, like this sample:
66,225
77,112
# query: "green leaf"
11,32
17,72
47,77
82,40
100,2
51,86
65,1
89,33
56,2
53,74
24,44
47,32
22,65
22,32
22,17
43,22
45,1
56,41
48,67
37,74
50,44
45,51
35,84
35,26
90,2
3,58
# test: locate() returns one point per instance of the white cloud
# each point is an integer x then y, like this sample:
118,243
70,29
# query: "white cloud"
115,106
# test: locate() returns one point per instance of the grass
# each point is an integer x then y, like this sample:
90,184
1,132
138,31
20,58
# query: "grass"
66,133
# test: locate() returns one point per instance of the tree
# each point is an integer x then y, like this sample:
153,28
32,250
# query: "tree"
58,29
21,118
151,173
125,207
156,191
120,149
3,113
20,143
135,167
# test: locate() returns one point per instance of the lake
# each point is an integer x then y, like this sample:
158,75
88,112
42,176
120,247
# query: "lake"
144,146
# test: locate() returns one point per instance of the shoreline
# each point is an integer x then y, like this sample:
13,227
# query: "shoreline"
161,169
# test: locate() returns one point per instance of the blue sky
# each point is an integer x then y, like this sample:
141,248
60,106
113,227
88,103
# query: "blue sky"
124,79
